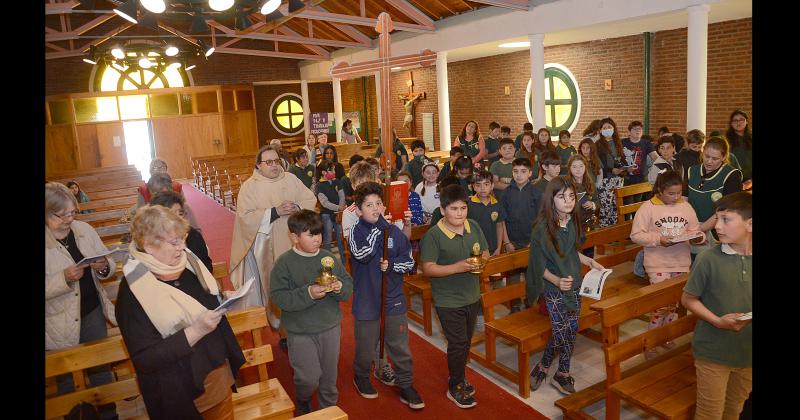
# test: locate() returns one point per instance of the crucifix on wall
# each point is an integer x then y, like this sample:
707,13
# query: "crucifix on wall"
409,102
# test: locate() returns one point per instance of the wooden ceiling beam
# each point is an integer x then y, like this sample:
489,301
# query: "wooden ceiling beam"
409,10
258,53
313,48
361,21
296,38
60,8
523,5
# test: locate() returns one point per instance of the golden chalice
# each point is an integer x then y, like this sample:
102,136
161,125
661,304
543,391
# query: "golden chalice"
326,278
477,259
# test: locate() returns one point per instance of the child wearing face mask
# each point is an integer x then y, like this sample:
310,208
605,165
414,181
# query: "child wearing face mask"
414,167
609,149
331,200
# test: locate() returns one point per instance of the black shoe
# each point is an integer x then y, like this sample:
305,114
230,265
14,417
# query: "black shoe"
537,377
411,397
385,374
365,388
468,388
283,344
303,407
460,397
516,308
565,384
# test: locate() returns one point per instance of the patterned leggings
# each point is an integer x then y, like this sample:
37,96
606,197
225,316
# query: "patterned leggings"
564,325
666,314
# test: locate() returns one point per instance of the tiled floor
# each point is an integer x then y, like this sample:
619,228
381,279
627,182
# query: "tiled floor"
587,366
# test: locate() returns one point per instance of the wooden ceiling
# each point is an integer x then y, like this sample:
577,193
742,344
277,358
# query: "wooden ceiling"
312,32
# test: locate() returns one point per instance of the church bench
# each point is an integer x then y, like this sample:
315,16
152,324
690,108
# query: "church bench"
265,399
111,235
110,184
95,174
629,191
109,203
419,284
102,218
91,171
119,192
329,413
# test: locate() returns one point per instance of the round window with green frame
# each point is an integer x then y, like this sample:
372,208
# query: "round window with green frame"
562,99
114,76
286,114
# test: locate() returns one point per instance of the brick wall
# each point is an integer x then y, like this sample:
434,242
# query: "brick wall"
424,81
353,100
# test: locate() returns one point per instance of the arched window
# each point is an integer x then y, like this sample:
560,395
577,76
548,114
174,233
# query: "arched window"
562,99
286,114
122,77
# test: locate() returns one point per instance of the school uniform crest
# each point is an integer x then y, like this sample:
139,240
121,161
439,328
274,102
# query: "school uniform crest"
494,216
716,195
399,153
310,173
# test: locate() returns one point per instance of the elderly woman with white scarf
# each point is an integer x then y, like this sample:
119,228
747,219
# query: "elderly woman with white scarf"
185,354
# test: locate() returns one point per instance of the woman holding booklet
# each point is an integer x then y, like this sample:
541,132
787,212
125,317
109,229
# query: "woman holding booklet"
184,353
76,305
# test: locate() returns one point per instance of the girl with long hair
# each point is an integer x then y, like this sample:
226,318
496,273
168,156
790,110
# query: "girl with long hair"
740,139
472,142
588,150
609,149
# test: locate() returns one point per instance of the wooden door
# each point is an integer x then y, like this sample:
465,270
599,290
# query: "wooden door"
178,139
241,132
112,152
59,149
87,143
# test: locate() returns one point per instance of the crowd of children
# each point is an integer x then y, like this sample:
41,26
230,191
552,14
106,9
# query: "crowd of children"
495,195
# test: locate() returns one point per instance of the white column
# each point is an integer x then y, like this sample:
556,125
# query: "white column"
306,112
378,96
337,107
697,67
443,93
537,80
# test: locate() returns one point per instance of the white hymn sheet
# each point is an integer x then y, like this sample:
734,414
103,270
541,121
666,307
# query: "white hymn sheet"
593,281
98,257
236,296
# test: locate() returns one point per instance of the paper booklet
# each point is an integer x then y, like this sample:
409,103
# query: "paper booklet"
100,256
227,303
579,196
686,236
745,317
593,281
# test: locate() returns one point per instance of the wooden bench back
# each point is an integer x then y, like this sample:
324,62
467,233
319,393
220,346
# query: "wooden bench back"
627,191
75,360
254,321
417,232
109,203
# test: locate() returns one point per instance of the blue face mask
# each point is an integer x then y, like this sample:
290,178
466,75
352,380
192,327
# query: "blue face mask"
607,133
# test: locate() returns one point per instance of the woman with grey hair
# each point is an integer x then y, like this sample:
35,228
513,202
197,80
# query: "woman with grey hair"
185,354
276,143
76,305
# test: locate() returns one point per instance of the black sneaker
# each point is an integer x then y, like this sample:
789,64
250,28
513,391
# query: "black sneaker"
385,375
365,388
537,377
565,384
460,397
303,407
283,344
468,388
411,397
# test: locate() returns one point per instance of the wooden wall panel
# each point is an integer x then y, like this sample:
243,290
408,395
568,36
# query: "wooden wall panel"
59,149
241,131
87,142
178,139
111,155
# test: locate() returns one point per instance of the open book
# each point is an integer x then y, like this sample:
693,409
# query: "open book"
688,236
593,281
227,303
98,257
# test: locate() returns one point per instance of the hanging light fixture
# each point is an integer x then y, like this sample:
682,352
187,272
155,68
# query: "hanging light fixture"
295,5
118,67
242,22
145,63
118,53
171,51
127,11
148,20
190,67
206,49
270,6
220,5
155,6
199,25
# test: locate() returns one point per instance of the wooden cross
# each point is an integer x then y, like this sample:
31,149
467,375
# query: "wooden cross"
343,70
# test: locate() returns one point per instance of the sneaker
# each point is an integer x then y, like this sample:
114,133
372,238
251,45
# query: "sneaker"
303,407
365,388
411,397
669,345
650,354
516,307
565,384
538,375
385,375
460,397
468,388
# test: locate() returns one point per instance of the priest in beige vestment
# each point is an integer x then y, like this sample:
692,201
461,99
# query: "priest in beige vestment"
260,231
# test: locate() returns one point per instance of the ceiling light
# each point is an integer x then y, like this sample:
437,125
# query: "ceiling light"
176,65
155,6
118,67
274,16
199,25
270,6
148,20
145,63
242,22
171,51
118,53
89,61
295,5
190,67
127,11
519,44
396,68
206,49
220,5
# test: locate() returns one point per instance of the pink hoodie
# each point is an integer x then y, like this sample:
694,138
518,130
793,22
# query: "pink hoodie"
654,219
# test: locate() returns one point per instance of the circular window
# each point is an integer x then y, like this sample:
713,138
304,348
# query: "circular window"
286,114
562,99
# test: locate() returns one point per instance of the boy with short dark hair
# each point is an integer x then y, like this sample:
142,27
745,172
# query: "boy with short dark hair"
302,169
492,142
666,160
636,153
520,205
366,247
526,128
331,200
487,211
505,132
549,167
345,183
454,286
565,150
463,171
719,292
455,153
501,169
690,155
310,312
414,167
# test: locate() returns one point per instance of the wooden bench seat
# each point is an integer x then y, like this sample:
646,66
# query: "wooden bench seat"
418,284
109,204
102,218
329,413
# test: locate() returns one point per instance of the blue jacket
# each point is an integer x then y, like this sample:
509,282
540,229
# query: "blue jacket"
366,250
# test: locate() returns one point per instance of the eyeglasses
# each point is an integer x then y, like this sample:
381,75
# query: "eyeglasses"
63,217
271,162
736,120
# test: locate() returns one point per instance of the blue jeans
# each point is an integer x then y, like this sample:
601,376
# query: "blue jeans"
329,225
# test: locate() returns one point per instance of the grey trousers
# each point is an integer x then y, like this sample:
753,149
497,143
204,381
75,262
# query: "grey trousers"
93,327
314,358
367,335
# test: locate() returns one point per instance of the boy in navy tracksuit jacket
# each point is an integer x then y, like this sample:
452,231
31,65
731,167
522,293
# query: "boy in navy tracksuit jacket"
366,250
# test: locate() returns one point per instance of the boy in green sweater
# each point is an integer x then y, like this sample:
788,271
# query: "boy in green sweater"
720,293
310,312
565,150
549,167
302,169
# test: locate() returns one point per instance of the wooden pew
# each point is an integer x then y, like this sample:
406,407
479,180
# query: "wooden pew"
102,218
419,284
112,234
627,191
265,399
529,330
664,386
330,413
109,204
